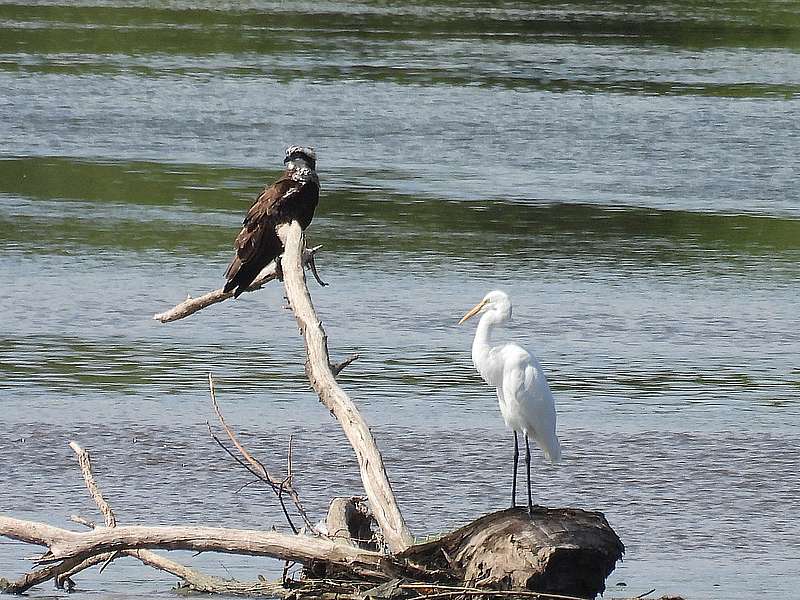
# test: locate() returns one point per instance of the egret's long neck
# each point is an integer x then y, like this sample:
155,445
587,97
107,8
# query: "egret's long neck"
481,346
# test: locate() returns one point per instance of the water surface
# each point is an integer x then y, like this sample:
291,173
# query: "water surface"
626,172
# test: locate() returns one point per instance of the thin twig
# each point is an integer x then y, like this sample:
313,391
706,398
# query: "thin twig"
239,460
109,560
289,461
256,468
312,265
244,486
232,436
81,521
452,590
340,366
285,511
447,558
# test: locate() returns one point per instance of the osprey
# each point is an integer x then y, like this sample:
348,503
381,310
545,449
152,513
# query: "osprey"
293,197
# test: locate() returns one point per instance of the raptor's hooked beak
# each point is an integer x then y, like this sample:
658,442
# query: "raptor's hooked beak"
473,311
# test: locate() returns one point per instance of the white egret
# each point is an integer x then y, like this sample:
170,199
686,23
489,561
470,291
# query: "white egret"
526,403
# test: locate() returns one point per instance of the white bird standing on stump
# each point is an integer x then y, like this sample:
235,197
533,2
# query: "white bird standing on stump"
526,403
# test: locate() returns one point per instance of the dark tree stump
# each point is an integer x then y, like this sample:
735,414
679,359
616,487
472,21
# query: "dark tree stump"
349,521
560,551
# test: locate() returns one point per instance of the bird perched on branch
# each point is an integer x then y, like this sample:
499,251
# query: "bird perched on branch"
526,403
293,197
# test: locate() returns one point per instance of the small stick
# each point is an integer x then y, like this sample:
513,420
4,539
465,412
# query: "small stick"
234,457
289,462
340,366
255,467
275,487
312,265
260,468
86,469
452,590
114,555
82,521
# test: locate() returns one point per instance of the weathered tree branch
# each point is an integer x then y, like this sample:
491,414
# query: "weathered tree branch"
59,572
191,305
193,579
201,582
318,369
64,544
85,463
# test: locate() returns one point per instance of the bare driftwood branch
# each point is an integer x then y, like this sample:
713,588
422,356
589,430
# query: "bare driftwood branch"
318,369
193,579
256,467
94,490
192,305
65,544
58,572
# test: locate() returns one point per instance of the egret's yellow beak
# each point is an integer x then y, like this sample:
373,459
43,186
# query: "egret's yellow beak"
473,311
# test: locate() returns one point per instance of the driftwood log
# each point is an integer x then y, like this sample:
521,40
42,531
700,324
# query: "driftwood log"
560,551
364,548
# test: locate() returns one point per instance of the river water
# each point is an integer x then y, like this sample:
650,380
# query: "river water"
626,171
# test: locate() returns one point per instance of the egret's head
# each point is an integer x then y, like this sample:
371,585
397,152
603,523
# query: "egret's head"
496,302
299,156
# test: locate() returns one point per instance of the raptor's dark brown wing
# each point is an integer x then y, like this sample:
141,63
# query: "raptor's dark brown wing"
257,243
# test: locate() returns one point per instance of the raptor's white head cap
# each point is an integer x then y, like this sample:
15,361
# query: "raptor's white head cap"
302,152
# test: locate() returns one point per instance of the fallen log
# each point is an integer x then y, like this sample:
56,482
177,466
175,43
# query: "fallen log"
556,550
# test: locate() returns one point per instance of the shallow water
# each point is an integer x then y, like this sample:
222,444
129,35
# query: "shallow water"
626,173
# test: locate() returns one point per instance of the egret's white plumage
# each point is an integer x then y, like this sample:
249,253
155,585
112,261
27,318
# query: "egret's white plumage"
525,399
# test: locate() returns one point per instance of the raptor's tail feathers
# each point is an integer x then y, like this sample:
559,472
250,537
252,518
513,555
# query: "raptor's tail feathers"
241,278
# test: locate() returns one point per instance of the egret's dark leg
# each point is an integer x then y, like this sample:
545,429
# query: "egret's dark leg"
278,268
514,482
528,467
